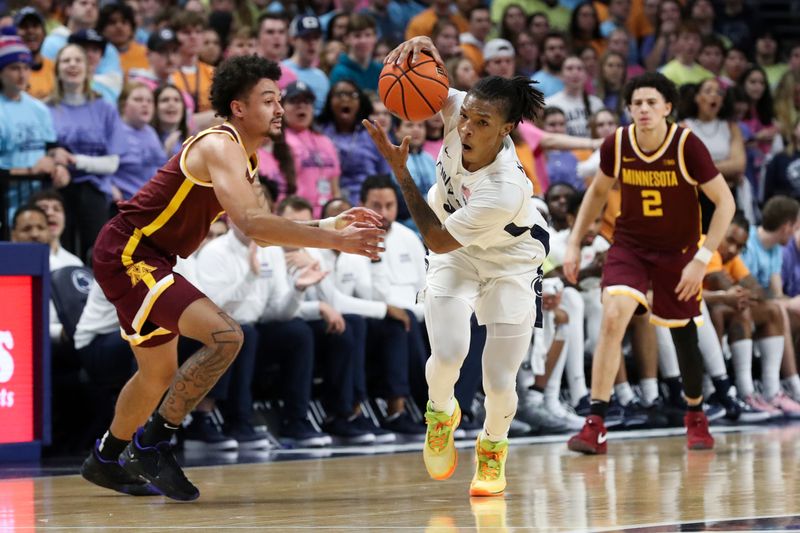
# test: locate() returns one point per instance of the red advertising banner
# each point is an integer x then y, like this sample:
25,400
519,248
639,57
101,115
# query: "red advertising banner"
16,359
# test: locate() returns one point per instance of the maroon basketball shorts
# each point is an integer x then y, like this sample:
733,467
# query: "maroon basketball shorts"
632,271
138,279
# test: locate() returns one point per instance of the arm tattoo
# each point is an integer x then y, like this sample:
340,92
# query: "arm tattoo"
424,217
201,371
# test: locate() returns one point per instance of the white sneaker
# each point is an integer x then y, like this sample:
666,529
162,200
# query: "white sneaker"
559,410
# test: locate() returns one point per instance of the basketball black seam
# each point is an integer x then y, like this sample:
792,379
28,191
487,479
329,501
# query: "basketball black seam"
420,93
403,99
403,93
397,78
446,86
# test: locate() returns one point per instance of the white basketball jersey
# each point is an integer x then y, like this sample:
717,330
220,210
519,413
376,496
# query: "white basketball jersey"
489,211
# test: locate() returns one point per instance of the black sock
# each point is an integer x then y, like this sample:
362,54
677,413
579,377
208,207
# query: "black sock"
696,408
110,447
157,430
537,389
721,385
675,388
599,408
690,360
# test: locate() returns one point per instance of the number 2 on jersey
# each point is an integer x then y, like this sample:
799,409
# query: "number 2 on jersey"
651,203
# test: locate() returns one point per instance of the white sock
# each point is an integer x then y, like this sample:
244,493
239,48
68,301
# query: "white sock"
449,407
624,393
667,356
552,390
649,390
771,349
742,353
488,436
572,303
793,384
709,345
708,386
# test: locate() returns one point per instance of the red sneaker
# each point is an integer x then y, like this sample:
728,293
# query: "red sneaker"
592,438
697,435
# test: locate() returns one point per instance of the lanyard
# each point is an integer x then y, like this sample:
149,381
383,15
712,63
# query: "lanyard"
196,93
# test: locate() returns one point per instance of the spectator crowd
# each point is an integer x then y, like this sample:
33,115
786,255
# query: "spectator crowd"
96,95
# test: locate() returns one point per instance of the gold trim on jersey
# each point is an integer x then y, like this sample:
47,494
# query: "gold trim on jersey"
618,151
252,163
624,290
682,158
136,339
661,149
675,323
150,300
189,142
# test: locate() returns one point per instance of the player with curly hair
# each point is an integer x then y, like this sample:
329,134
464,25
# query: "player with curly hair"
215,172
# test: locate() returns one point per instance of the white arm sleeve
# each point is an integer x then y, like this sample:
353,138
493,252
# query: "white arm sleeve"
452,109
102,165
491,207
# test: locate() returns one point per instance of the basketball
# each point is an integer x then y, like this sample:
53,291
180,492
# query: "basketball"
414,92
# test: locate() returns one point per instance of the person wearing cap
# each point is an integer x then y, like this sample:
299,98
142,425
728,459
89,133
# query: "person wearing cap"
306,35
30,26
316,159
82,15
162,59
109,85
498,58
26,131
117,24
273,44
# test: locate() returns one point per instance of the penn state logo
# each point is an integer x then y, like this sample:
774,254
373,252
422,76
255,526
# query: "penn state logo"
81,280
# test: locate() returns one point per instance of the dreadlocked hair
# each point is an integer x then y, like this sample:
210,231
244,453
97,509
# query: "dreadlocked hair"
517,96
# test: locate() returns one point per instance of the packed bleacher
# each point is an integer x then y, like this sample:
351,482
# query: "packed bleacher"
96,95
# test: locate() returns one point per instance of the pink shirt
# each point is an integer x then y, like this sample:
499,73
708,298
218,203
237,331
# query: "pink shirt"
316,163
287,76
433,147
268,168
533,137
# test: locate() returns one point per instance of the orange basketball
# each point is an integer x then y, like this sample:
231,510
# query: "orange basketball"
414,92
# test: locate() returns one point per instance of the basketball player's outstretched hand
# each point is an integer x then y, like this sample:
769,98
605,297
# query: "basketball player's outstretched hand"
363,239
358,214
395,155
414,47
571,263
691,280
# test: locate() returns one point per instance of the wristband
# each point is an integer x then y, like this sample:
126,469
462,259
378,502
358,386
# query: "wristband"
703,255
328,223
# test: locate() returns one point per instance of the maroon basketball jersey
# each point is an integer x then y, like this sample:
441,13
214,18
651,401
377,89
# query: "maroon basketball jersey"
174,210
659,201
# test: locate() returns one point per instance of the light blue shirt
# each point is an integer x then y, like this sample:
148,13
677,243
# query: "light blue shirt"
315,79
761,262
548,83
25,128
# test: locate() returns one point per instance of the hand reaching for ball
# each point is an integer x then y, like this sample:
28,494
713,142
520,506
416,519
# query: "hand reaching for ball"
414,47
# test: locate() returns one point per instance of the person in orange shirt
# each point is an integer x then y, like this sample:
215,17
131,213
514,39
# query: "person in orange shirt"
738,306
117,23
30,26
423,23
193,76
472,41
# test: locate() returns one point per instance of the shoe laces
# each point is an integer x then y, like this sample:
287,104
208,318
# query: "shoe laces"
489,462
439,428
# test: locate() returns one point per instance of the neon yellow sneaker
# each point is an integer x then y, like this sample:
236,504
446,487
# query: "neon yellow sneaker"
440,453
490,472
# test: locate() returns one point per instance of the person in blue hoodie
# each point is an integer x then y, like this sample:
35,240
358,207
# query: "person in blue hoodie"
357,64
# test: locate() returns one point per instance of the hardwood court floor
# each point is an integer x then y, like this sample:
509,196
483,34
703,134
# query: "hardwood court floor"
751,481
